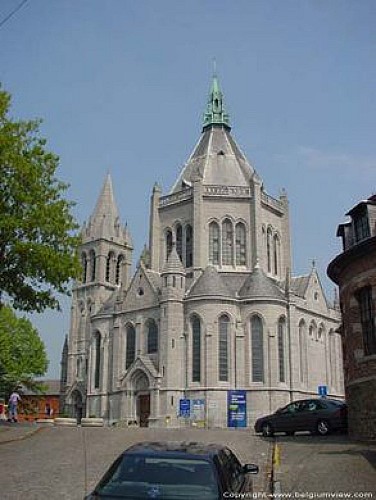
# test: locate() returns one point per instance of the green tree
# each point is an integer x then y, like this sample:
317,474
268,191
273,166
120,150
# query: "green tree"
38,233
22,352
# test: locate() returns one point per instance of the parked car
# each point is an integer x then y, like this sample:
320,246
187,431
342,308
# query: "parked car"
174,470
320,416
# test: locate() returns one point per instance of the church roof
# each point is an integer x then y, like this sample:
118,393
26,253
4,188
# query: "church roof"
298,285
216,158
173,263
210,283
259,285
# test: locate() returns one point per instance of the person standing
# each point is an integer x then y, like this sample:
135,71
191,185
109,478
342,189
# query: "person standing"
12,406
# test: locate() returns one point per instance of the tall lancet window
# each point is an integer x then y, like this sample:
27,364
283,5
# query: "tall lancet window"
152,346
97,359
130,352
227,243
84,267
188,246
168,243
214,243
281,349
119,265
92,265
257,349
275,254
223,341
302,350
269,249
196,349
109,262
240,244
179,241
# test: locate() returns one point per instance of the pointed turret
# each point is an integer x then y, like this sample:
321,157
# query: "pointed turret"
215,113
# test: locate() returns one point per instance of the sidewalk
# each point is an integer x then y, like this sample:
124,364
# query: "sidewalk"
333,464
10,432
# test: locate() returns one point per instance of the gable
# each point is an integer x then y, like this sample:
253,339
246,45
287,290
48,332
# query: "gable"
141,293
314,294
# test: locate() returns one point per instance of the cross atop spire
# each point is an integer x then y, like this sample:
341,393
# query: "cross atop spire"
215,113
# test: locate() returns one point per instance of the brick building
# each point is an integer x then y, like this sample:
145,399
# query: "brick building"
354,271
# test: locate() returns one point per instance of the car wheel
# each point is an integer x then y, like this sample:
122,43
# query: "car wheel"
322,427
267,430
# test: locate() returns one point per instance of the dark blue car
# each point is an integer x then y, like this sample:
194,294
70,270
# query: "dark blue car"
175,470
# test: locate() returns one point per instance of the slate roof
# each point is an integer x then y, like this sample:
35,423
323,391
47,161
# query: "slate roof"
173,264
210,283
52,388
259,285
298,285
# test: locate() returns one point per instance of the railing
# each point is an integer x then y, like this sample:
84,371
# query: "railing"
170,199
271,202
233,191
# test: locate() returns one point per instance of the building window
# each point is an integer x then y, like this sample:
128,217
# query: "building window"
130,353
223,337
97,358
269,249
168,243
179,241
302,351
361,226
364,297
257,349
227,243
109,260
152,346
281,349
240,244
188,246
119,265
84,267
92,265
275,254
196,349
214,244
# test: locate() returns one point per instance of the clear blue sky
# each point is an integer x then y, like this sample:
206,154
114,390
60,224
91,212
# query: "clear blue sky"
121,85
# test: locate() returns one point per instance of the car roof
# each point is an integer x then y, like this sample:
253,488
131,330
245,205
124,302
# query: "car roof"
330,400
180,448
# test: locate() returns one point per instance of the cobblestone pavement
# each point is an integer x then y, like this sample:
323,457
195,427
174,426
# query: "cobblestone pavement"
331,465
50,464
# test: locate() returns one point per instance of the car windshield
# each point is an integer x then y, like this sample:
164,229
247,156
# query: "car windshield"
140,476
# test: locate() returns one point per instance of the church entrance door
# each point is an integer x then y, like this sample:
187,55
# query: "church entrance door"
143,409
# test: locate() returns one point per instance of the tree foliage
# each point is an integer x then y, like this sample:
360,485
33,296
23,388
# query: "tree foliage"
38,235
22,352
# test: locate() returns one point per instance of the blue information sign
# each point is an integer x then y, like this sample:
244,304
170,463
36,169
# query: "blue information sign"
323,390
184,407
237,409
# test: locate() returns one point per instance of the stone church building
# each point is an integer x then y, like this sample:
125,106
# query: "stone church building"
211,308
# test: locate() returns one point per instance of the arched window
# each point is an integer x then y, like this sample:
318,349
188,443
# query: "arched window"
302,350
188,246
92,265
227,243
152,346
119,265
168,243
320,333
257,339
240,244
269,248
109,261
333,360
196,349
281,349
213,244
130,353
97,358
84,267
312,330
275,254
179,241
223,339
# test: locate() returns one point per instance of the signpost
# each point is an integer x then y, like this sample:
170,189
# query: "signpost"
185,408
237,408
323,390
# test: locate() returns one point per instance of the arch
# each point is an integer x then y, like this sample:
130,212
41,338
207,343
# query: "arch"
196,348
152,337
188,246
269,248
168,237
84,264
332,359
97,359
281,348
312,330
257,348
179,240
119,265
109,262
240,244
302,350
214,254
227,242
276,247
92,265
130,348
321,332
223,347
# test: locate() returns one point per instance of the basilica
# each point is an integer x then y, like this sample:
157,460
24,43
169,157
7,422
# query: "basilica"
212,310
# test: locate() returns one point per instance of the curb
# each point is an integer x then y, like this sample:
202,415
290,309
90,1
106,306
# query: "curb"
21,438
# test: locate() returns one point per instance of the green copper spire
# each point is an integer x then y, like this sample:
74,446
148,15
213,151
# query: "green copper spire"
215,113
